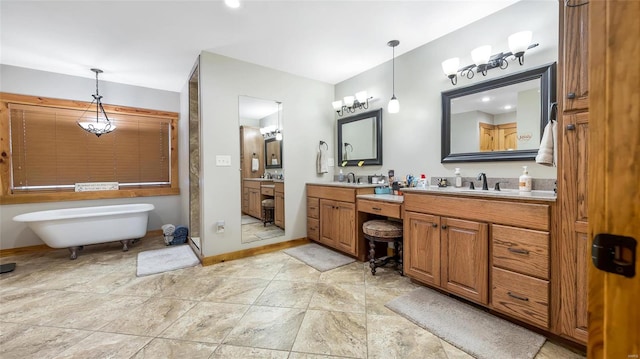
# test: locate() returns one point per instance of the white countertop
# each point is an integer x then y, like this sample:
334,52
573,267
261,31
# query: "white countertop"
382,197
505,193
345,184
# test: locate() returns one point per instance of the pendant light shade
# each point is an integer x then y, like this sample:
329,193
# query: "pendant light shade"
102,124
394,104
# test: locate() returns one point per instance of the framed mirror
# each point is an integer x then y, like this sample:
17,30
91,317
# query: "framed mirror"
498,120
273,153
360,139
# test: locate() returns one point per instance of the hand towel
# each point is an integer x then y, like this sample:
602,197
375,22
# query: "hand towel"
546,151
255,165
321,162
554,132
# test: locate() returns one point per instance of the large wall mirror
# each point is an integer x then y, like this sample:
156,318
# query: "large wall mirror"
273,151
261,169
498,120
360,139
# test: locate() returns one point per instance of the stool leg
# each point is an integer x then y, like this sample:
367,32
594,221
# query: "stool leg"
400,259
372,256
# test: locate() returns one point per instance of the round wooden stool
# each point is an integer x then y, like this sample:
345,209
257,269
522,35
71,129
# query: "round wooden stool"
267,211
379,230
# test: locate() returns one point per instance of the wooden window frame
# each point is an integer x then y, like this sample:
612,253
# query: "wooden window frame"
6,195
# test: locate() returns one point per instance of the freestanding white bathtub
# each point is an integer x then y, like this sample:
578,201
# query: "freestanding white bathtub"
76,227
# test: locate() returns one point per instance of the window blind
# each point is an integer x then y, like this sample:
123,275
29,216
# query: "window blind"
50,151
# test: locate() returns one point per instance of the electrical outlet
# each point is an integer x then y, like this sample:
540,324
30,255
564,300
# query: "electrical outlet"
223,160
220,227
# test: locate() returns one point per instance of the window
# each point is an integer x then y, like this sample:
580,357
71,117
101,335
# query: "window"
48,153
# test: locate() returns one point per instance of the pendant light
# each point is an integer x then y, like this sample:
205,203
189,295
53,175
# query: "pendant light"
102,124
394,104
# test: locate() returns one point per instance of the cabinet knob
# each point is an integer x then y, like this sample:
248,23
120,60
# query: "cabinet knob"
444,226
571,95
571,127
435,225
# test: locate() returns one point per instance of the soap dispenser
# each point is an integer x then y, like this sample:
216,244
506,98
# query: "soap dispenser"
525,181
340,176
458,178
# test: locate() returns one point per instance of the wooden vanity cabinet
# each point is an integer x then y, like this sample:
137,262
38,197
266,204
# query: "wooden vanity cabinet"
332,219
447,252
252,196
573,130
493,252
278,200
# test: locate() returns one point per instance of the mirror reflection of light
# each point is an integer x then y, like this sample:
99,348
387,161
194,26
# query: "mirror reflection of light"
507,107
486,99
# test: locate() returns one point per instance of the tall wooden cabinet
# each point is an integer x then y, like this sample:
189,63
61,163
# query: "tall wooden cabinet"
573,122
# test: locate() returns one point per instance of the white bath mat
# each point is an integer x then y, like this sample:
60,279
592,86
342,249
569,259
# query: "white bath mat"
166,259
319,257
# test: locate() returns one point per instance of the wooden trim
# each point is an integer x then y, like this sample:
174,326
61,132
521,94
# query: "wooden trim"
6,197
220,258
10,252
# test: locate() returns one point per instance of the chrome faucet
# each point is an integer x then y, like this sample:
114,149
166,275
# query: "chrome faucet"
267,175
354,177
482,176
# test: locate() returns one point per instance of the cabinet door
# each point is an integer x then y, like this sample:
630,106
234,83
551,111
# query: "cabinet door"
245,200
574,238
328,222
575,56
465,259
255,205
421,247
346,224
279,209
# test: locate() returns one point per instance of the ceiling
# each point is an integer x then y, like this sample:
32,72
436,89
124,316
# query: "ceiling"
155,43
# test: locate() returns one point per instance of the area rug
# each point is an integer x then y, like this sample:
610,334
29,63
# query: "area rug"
470,329
270,233
249,220
166,259
319,257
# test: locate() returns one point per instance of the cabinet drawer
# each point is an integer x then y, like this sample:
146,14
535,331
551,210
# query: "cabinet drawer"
520,296
381,208
267,191
313,229
313,207
521,250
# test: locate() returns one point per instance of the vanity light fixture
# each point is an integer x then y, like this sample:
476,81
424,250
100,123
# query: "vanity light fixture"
483,61
278,132
349,104
102,124
394,104
273,130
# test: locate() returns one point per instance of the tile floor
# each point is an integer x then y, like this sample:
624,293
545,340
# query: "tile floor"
268,306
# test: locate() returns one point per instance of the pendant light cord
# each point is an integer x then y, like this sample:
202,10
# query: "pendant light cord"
393,60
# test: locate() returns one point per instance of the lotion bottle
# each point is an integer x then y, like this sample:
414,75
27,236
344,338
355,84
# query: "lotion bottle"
525,181
341,176
458,178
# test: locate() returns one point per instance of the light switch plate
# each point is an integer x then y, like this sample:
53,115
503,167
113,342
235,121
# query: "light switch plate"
330,162
223,160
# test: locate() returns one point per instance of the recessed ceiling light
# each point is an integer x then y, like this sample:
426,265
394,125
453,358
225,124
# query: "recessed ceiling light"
234,4
486,99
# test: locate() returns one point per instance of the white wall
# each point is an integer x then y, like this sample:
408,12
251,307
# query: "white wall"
39,83
411,138
307,118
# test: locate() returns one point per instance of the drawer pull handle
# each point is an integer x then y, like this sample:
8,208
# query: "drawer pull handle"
376,208
525,299
312,207
444,226
435,225
571,95
518,250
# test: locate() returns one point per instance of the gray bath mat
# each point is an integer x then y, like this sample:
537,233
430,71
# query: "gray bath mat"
166,259
468,328
270,233
319,257
249,220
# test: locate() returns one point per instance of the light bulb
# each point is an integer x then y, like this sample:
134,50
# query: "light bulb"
361,96
394,105
481,55
234,4
337,105
278,136
348,101
519,42
450,66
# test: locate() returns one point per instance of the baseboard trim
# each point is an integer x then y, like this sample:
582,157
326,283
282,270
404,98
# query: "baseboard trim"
10,252
207,261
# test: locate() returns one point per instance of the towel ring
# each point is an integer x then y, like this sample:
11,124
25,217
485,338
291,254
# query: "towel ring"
323,143
553,112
